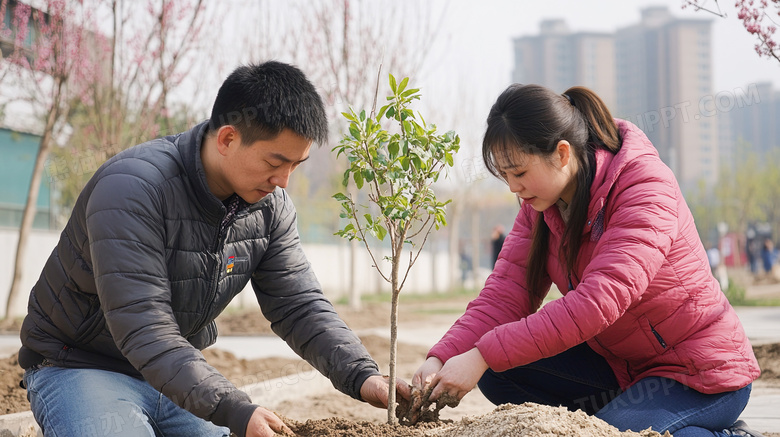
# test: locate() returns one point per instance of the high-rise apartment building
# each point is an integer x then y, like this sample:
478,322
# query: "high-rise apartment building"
754,118
559,59
656,73
664,85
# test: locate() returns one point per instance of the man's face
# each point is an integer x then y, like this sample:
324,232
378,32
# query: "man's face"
255,170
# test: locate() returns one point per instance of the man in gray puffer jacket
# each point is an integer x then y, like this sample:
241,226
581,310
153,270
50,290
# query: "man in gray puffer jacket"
162,237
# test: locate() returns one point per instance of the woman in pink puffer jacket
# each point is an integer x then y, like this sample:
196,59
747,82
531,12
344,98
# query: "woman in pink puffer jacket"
643,336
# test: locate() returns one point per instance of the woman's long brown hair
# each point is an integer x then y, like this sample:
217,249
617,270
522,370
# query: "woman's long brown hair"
531,119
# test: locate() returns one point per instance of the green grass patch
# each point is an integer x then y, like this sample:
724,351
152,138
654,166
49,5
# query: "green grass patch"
758,303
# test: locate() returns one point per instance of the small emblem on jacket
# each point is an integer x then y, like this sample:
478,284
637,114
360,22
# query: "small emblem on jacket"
230,263
598,226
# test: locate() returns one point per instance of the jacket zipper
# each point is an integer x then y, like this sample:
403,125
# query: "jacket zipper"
215,282
658,337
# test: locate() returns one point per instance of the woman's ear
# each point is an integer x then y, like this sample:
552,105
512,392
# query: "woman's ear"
563,152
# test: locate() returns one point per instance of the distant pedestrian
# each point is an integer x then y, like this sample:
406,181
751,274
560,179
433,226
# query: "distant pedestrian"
768,255
496,242
753,251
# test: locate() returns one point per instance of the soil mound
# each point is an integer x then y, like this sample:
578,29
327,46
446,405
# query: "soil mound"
534,420
530,420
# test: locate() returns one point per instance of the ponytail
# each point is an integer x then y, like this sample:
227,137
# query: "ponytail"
602,130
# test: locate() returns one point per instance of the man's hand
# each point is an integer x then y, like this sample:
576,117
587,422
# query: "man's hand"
459,375
264,423
375,389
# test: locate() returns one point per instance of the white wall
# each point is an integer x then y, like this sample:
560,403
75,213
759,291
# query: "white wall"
330,263
39,246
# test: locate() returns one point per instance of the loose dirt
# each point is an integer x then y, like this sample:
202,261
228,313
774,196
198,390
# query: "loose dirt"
334,414
531,420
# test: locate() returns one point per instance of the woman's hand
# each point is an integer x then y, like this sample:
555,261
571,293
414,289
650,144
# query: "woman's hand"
459,375
423,376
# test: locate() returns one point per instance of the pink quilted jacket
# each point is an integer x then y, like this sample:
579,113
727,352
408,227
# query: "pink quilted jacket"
643,296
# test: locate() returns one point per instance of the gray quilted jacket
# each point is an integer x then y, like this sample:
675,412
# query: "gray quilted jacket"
141,272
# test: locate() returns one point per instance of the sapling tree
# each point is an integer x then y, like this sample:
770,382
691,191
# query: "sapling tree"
396,172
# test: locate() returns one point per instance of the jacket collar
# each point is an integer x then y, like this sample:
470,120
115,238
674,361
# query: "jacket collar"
189,144
608,169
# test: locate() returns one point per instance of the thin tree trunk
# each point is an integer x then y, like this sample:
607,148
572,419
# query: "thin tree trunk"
394,330
30,207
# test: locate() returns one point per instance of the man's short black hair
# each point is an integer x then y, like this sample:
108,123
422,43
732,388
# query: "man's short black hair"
261,100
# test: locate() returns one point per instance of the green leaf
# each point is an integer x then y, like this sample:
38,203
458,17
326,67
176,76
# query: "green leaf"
449,159
393,86
382,111
417,162
358,177
390,112
403,84
340,197
363,115
369,219
353,129
345,180
409,92
368,175
380,232
393,149
405,162
348,116
418,130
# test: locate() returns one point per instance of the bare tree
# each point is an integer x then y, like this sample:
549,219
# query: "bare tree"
50,71
111,90
151,53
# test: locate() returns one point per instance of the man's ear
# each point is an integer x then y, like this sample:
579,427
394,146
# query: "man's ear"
227,137
564,152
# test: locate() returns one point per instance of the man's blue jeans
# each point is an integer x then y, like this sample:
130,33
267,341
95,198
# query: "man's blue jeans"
93,403
580,379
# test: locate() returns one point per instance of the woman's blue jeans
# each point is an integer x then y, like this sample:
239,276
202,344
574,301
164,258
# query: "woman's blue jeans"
93,403
580,379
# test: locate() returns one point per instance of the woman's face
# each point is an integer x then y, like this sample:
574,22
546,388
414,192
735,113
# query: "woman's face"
540,181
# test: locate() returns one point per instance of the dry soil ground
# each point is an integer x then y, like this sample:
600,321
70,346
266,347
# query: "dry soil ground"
335,414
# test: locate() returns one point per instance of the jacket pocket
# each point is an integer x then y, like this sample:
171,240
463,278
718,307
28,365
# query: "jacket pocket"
656,339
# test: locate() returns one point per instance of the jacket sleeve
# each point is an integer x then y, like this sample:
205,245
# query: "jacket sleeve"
127,248
292,300
504,299
632,249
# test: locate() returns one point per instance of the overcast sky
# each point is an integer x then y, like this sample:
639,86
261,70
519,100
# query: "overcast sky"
483,32
472,59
